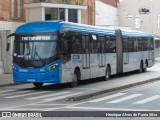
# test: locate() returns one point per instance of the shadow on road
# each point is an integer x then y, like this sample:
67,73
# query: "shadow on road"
53,87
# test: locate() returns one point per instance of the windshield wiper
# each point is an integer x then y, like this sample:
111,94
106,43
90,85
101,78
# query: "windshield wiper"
28,53
35,51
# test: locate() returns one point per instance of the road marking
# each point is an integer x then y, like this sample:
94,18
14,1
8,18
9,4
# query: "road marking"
49,95
85,89
125,98
107,97
34,93
61,97
148,99
6,91
15,92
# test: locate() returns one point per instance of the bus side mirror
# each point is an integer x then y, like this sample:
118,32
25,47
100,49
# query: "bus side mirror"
8,46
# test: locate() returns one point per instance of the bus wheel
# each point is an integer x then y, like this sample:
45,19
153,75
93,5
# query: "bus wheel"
141,67
145,68
74,81
38,85
108,74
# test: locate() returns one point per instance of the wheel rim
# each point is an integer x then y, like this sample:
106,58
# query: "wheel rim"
75,80
107,74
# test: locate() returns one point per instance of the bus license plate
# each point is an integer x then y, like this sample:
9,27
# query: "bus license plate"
31,80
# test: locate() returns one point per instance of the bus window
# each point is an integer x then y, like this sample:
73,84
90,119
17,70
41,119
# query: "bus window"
130,45
93,44
112,45
101,44
76,43
125,45
85,44
150,44
140,44
135,44
65,44
145,44
107,44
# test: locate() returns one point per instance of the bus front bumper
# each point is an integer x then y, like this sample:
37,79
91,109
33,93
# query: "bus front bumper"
47,77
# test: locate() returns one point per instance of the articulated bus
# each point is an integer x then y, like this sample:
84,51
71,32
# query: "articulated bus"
63,52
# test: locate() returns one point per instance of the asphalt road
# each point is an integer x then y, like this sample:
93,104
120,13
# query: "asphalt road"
26,97
141,98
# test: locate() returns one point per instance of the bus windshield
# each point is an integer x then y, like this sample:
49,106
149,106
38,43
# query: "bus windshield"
35,47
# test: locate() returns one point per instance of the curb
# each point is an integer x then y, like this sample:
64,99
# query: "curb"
91,94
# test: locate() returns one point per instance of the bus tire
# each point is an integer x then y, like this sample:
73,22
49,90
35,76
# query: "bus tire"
108,73
74,81
145,68
38,84
141,67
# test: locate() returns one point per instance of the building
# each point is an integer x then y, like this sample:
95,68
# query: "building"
108,16
78,11
143,15
14,13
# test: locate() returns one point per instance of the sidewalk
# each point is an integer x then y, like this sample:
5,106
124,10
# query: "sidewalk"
6,80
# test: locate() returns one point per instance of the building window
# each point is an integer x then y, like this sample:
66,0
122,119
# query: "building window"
55,14
17,8
72,15
159,21
13,8
137,22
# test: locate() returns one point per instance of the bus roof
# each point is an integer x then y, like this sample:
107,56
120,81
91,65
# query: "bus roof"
61,26
40,27
133,33
86,29
53,26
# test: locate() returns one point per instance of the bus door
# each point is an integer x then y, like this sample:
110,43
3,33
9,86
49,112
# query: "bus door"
86,52
125,51
101,51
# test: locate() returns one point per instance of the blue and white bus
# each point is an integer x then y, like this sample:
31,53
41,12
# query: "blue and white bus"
63,52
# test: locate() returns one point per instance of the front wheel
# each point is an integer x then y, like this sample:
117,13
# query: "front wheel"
74,81
38,85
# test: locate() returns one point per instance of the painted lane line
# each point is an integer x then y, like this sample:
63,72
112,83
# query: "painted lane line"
6,91
62,97
21,95
48,95
12,93
148,99
107,97
125,98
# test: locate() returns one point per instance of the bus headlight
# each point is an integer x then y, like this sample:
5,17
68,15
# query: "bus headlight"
13,67
54,66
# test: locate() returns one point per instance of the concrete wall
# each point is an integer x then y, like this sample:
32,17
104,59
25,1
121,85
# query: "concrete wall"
106,15
5,59
148,22
35,14
6,28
